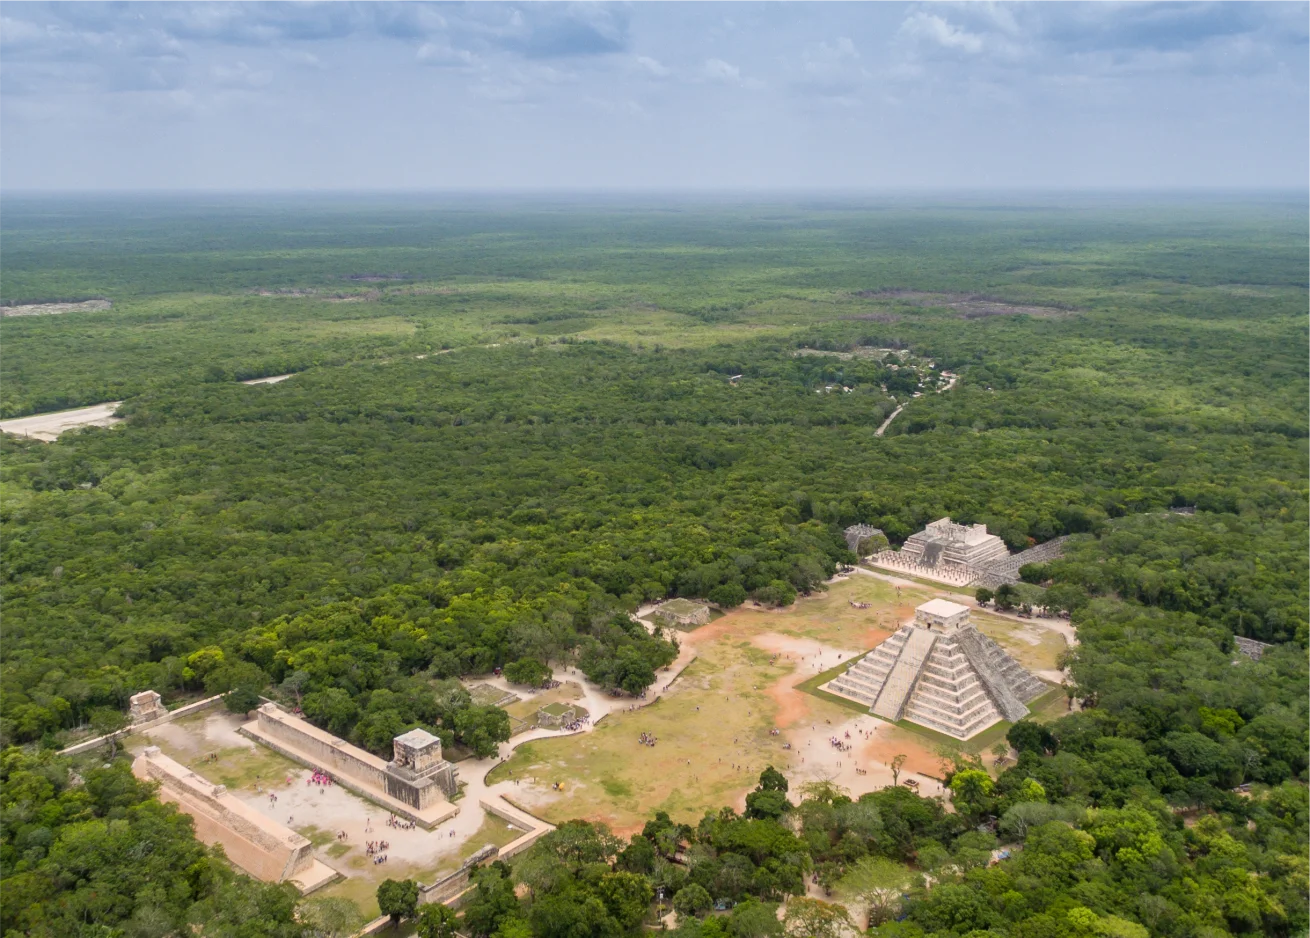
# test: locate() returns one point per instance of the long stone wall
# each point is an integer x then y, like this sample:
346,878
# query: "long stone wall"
352,767
87,745
258,845
327,751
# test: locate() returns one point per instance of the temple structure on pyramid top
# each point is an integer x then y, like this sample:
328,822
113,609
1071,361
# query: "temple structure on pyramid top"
942,673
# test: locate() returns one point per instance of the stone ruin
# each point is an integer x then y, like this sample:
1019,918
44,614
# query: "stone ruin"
1250,647
860,532
257,844
964,555
416,783
417,774
945,542
942,673
683,612
146,708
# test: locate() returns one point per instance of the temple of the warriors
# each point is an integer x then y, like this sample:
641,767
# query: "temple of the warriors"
944,541
962,555
942,673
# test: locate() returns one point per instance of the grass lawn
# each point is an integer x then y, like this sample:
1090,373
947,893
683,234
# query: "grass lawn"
713,741
566,693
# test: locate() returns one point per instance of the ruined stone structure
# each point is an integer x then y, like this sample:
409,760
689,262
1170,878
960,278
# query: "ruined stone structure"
1006,569
683,612
146,708
1250,647
415,784
417,775
556,715
260,846
964,555
940,672
858,533
943,542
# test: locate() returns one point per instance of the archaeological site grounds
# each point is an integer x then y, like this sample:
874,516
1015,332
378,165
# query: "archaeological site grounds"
547,569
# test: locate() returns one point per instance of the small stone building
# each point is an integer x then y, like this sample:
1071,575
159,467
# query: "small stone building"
683,613
556,714
417,774
145,707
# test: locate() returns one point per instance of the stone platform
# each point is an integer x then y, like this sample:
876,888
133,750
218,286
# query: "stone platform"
261,847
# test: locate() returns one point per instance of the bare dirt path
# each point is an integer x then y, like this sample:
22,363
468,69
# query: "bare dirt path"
888,422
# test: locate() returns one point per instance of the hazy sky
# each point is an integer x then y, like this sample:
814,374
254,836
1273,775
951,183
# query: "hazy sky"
652,95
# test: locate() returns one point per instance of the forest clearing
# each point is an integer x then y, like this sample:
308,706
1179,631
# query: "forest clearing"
715,723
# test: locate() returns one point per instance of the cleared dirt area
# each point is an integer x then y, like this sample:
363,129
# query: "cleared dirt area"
274,379
968,305
48,427
54,309
336,296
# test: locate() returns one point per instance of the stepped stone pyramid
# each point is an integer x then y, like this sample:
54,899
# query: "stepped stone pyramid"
940,672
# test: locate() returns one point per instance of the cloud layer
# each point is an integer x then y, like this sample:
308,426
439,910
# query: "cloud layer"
382,95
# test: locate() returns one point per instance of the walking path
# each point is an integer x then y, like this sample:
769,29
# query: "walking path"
888,422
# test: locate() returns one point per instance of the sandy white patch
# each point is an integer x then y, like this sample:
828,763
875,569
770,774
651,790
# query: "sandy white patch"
48,427
54,309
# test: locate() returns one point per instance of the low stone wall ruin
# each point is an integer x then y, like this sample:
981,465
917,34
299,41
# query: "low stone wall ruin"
258,845
328,752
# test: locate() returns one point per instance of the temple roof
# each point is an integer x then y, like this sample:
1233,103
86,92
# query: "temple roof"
942,607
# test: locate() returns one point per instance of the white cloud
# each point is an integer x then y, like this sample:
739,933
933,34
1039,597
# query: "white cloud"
240,75
444,55
20,34
930,27
719,70
1095,41
653,66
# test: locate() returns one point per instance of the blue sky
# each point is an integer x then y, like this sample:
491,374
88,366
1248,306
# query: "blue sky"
652,95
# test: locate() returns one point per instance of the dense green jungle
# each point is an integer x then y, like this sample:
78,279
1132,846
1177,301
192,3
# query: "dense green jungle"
512,421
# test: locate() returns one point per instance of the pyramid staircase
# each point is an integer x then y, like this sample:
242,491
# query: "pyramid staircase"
958,682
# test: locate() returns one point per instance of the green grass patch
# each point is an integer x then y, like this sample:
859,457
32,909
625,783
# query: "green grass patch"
616,788
317,836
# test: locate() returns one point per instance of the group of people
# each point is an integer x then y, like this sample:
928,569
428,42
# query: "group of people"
841,744
319,778
577,724
400,823
647,739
